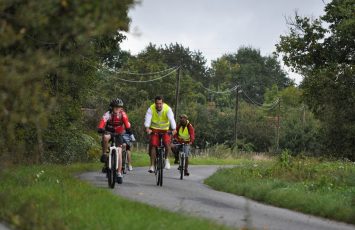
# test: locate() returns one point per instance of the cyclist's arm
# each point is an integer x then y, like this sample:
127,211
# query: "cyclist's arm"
125,121
192,133
103,120
170,115
148,120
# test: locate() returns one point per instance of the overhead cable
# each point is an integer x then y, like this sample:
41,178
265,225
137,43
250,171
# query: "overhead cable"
221,92
134,81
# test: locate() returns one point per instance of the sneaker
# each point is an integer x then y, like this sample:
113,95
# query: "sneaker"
186,173
119,178
104,169
103,158
130,168
151,169
167,164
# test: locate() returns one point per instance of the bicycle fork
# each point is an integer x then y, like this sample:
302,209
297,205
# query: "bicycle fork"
110,157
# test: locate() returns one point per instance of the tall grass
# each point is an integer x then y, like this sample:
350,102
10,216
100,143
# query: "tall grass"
308,185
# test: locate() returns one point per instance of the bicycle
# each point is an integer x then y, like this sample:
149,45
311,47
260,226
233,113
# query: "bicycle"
113,160
159,163
159,160
182,158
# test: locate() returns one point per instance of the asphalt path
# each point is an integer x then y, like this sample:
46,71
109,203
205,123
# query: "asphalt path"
192,197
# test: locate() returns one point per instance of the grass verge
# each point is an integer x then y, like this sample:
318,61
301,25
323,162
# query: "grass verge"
308,185
49,197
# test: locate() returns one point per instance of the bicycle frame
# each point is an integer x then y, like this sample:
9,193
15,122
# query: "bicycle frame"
113,147
113,161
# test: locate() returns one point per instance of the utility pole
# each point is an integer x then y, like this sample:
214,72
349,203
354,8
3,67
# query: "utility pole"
278,127
236,117
177,92
304,115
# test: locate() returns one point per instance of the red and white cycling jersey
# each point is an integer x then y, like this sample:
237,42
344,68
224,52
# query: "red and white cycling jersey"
116,123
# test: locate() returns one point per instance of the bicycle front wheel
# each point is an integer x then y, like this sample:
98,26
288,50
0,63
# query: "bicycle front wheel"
112,173
161,167
156,170
124,162
182,165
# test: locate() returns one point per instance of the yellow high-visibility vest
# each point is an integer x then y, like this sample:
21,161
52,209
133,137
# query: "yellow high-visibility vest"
184,132
160,121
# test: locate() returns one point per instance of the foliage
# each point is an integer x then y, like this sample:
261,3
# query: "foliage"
323,51
44,79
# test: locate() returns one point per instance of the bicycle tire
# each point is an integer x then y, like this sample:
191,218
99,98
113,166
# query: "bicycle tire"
112,172
124,162
156,170
161,170
182,165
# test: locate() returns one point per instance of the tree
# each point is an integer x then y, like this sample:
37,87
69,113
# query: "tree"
252,71
44,74
323,51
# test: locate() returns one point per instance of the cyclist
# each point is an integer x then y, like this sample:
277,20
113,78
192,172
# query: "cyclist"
185,134
128,139
115,121
158,118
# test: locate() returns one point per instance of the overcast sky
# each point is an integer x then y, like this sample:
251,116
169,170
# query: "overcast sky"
215,27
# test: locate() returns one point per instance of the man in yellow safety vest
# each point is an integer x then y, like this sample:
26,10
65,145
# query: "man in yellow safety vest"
158,119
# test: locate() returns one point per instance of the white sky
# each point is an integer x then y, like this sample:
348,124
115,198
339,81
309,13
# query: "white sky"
215,27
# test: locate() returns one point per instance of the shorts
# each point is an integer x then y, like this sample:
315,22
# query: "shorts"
184,148
154,138
127,141
119,139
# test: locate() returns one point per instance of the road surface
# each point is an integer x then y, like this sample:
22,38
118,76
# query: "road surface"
192,196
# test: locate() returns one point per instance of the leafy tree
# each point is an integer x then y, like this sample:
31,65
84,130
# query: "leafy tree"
323,51
44,78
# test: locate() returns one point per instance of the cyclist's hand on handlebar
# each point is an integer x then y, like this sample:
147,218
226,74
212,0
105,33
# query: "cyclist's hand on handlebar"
148,130
173,131
100,130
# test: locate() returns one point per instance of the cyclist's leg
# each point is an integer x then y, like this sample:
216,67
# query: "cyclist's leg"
175,151
187,152
167,145
154,141
105,139
128,149
119,170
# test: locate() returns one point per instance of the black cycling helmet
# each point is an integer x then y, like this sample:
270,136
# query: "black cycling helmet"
117,102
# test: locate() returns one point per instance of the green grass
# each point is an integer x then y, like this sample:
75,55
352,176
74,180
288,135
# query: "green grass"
142,159
50,197
325,189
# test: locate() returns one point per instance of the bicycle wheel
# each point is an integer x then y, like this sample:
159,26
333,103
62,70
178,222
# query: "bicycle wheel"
156,169
124,162
161,167
112,173
182,165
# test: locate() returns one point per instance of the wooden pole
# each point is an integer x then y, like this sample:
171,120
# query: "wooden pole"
236,117
278,127
177,92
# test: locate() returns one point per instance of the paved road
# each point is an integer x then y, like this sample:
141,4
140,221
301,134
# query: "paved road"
192,196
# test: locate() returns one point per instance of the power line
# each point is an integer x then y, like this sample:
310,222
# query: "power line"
221,92
136,81
142,74
256,103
